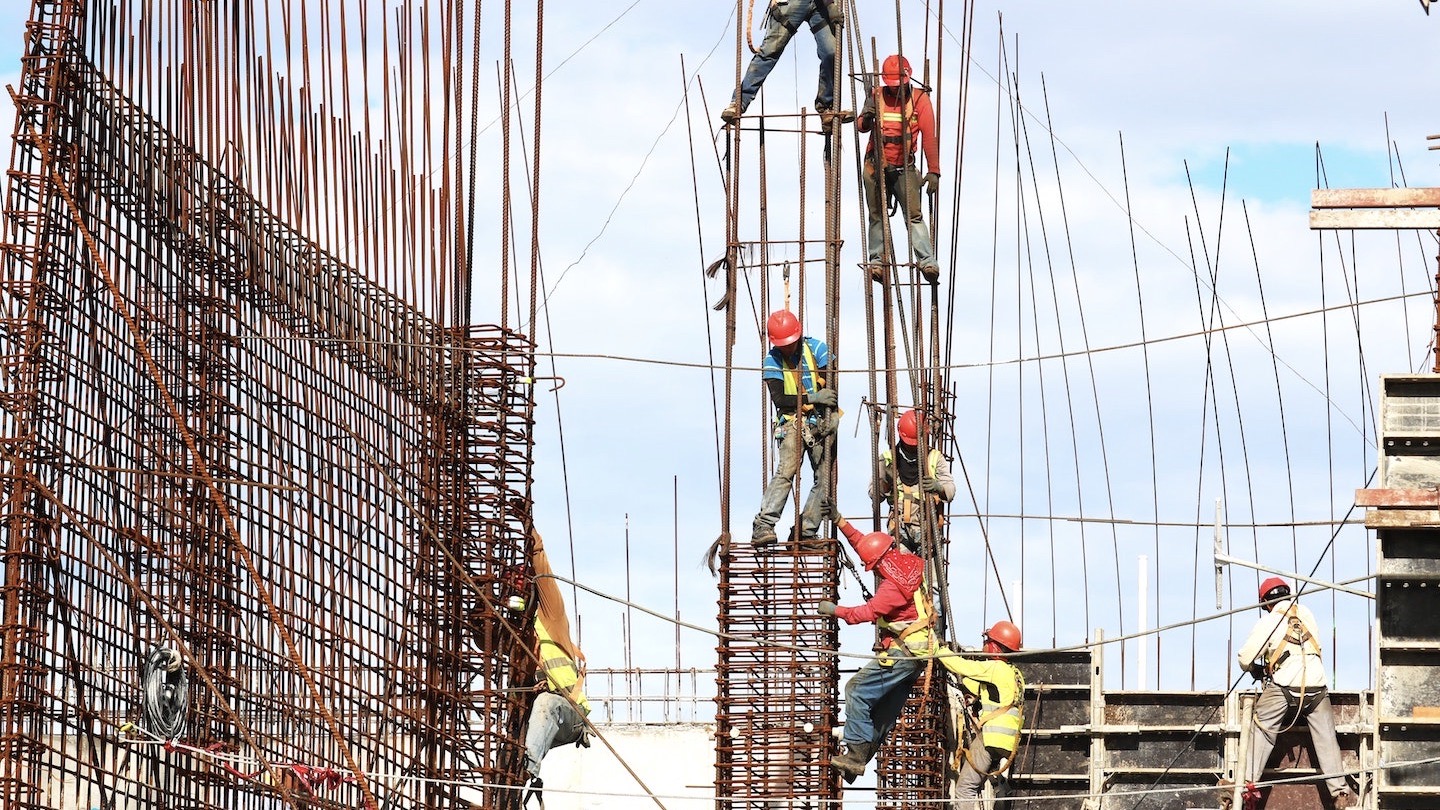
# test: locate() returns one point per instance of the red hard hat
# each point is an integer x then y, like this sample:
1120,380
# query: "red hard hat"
1005,634
783,327
908,427
872,547
895,71
1274,588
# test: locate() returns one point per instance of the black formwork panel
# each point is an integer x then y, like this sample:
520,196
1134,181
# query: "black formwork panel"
1052,763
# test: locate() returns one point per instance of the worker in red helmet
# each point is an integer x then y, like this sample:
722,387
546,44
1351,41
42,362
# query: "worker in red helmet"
805,418
900,479
899,115
1283,651
996,698
824,18
901,608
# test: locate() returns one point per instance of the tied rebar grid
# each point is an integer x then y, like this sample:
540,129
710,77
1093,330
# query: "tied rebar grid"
776,678
911,766
218,438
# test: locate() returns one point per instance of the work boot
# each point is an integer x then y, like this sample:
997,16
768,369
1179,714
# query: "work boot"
762,538
851,764
877,271
1343,799
808,542
731,113
931,272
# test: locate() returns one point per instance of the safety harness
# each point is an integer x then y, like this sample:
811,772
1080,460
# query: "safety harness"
1296,635
908,497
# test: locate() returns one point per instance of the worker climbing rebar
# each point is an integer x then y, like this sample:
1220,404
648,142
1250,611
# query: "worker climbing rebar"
995,690
905,485
901,609
783,19
805,417
898,114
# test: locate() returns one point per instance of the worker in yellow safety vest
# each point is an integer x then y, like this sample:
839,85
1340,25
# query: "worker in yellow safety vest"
997,692
806,414
901,608
900,479
558,714
1283,650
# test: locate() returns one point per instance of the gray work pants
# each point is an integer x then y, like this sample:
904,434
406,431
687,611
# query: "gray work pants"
1276,709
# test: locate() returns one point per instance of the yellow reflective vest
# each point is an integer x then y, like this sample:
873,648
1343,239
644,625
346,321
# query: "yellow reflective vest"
907,498
560,673
1001,690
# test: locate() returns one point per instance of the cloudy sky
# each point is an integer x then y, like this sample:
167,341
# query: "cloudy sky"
1081,463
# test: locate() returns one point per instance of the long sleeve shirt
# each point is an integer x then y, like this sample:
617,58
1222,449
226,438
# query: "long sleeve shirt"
1303,667
894,601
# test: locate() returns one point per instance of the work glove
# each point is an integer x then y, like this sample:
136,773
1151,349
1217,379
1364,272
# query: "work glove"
827,608
932,485
825,397
931,182
866,119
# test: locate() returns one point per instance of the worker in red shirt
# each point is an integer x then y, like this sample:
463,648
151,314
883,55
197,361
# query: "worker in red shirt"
900,116
901,608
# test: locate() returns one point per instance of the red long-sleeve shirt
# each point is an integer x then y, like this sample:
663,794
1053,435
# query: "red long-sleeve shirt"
888,102
901,574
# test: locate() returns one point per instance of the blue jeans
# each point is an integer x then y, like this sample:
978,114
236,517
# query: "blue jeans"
904,183
787,466
553,721
787,17
876,694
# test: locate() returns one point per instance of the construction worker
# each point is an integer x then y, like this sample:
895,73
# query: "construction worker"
785,17
900,479
558,715
901,608
997,694
905,117
805,416
1283,650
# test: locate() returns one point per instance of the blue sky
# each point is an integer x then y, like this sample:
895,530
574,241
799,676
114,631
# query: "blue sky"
1181,84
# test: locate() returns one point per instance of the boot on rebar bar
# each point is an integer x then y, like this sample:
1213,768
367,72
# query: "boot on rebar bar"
851,764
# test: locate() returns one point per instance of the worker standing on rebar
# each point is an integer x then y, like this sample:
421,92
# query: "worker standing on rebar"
1283,650
996,691
901,609
899,115
784,18
805,415
558,715
900,479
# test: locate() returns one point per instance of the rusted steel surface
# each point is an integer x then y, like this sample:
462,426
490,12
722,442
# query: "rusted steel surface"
1375,198
777,677
222,437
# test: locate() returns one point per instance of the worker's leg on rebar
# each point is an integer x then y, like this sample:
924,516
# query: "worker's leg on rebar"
908,193
778,31
911,537
874,213
777,492
1327,747
825,49
817,503
551,719
1270,710
978,762
868,715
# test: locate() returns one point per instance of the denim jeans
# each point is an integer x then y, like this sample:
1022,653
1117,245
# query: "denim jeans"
876,694
904,183
553,721
787,466
790,15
